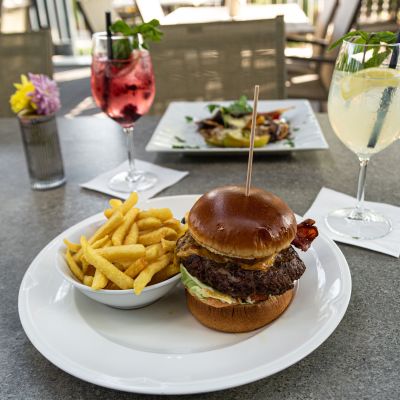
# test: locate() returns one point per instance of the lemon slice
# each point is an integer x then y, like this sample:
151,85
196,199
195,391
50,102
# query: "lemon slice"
366,79
236,139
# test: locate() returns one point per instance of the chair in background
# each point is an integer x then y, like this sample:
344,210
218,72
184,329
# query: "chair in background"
21,53
314,81
149,10
316,40
217,61
93,13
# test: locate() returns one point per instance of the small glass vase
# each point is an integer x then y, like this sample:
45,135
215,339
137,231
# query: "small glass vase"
42,151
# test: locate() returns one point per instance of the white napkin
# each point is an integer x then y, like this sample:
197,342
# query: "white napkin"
166,177
329,200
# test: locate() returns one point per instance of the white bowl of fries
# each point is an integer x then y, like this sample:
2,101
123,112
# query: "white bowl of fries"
124,258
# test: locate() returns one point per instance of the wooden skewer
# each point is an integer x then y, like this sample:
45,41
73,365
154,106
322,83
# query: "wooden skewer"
252,135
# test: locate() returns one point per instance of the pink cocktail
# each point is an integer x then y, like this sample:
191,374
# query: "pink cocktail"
124,89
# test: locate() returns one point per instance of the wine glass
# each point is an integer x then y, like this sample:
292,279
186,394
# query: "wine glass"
124,89
363,109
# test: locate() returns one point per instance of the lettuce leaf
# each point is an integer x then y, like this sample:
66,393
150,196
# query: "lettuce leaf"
202,291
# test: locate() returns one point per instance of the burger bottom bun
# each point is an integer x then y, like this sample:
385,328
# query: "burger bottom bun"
240,317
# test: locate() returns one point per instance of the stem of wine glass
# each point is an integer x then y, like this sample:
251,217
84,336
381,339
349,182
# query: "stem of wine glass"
359,210
132,175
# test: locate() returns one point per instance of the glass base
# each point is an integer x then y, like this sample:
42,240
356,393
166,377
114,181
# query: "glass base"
46,185
142,181
350,222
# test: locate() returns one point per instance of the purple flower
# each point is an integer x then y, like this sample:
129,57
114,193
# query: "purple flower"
46,96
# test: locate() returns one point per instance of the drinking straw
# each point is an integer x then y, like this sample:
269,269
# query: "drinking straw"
251,149
109,43
385,100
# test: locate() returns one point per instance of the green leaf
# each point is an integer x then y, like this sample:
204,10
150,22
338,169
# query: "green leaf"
179,139
240,106
290,142
121,27
149,32
366,38
212,107
377,59
344,37
188,118
122,49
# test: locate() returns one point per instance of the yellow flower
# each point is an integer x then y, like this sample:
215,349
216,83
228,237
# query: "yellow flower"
21,100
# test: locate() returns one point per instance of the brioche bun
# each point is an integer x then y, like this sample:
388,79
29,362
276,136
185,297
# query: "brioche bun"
238,318
227,222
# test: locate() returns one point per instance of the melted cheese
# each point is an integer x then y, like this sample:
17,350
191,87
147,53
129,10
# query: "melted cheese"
261,265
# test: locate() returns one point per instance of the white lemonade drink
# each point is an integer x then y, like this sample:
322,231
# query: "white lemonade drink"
354,103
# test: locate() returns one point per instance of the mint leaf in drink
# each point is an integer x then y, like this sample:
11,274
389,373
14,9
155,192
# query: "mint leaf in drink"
348,36
148,31
122,49
377,59
188,118
362,37
373,54
121,27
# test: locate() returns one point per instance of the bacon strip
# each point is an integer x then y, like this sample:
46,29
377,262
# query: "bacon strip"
306,233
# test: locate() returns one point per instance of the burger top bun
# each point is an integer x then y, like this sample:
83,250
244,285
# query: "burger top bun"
227,222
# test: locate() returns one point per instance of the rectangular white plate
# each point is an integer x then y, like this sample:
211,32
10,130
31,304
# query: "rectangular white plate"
306,132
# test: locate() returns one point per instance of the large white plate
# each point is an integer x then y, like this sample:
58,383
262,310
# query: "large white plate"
162,349
306,132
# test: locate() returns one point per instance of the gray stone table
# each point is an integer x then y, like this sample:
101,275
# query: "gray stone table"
360,360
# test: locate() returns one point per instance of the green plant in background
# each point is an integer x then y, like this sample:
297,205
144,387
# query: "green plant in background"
141,35
367,41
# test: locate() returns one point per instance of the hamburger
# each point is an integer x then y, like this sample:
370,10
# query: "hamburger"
237,258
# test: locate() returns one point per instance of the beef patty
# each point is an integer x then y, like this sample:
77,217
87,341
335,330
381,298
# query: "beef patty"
229,278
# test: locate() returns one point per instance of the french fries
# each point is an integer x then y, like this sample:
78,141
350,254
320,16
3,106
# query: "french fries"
149,223
133,234
134,269
99,280
146,274
128,252
132,249
73,266
165,274
109,270
73,247
160,213
115,220
88,280
156,236
119,234
168,245
154,251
